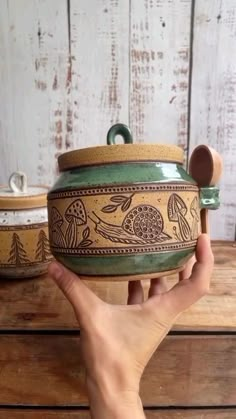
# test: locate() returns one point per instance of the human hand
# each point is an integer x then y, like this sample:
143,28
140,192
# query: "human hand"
117,341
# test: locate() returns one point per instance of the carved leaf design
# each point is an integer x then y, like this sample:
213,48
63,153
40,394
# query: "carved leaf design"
121,201
85,243
125,206
86,233
109,208
118,198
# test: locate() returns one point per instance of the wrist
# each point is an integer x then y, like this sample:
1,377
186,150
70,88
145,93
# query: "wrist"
108,401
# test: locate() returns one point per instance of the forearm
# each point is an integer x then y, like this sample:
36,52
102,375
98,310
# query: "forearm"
108,403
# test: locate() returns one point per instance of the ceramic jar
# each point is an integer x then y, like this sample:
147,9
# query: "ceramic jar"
24,245
118,211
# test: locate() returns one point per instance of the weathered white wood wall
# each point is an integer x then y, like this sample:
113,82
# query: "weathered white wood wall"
71,68
213,99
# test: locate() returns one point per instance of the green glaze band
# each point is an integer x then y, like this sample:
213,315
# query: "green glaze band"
112,175
126,265
123,173
209,197
119,129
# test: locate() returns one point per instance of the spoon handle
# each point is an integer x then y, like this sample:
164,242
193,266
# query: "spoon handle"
205,221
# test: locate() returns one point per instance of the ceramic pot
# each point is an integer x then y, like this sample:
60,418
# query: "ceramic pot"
24,245
118,211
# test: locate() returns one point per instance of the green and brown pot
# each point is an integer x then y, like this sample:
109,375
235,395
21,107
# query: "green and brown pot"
118,212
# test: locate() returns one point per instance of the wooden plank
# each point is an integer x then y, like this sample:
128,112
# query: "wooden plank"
160,40
150,414
100,77
39,304
224,254
185,371
213,99
33,97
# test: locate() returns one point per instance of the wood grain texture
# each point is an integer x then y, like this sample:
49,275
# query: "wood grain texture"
99,74
213,112
39,304
153,414
159,67
33,96
47,370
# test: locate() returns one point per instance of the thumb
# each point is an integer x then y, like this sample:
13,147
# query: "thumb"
78,294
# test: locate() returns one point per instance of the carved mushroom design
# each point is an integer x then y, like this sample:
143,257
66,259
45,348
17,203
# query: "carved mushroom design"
75,215
56,223
176,213
194,209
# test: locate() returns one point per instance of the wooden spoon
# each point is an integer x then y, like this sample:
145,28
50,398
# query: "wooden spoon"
205,167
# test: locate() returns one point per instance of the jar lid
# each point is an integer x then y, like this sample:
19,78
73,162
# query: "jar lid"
120,153
18,195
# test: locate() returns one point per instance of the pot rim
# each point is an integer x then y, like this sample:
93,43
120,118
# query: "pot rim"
121,153
24,201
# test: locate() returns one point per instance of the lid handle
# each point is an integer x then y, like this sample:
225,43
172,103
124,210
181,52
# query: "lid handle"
119,129
18,182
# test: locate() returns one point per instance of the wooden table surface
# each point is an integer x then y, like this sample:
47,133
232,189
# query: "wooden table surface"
192,375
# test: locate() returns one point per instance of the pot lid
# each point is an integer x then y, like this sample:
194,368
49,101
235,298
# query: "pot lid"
18,195
120,153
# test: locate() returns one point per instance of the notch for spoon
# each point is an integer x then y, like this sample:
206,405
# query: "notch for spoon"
205,167
18,182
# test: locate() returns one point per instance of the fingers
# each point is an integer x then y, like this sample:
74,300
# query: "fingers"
186,273
188,291
158,286
135,292
79,295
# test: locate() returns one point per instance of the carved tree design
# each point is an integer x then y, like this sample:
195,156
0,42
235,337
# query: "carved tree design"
43,249
18,255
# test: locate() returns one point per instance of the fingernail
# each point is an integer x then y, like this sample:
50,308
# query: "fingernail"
56,270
